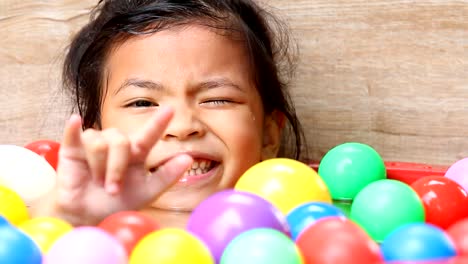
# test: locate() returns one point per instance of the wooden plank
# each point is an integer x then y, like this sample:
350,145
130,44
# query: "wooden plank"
392,74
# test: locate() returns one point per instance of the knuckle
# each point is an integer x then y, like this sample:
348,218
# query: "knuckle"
117,139
98,146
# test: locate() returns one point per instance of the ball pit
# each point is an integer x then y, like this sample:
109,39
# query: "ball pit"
44,231
417,242
308,214
286,183
170,245
129,227
25,172
296,222
261,246
349,167
226,214
445,201
17,248
384,205
86,244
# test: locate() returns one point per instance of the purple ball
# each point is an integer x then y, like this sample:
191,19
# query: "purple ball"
90,245
458,172
226,214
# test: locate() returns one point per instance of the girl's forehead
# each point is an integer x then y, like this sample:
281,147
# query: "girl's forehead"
178,45
192,51
189,34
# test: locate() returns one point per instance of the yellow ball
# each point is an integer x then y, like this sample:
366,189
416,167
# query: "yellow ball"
170,246
12,207
45,230
286,183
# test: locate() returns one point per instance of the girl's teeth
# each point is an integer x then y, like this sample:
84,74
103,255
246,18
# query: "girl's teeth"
203,164
199,167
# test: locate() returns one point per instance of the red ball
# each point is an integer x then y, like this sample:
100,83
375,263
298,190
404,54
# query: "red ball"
129,227
336,240
48,149
458,232
445,201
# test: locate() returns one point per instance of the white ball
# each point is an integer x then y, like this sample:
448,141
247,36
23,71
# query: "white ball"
26,172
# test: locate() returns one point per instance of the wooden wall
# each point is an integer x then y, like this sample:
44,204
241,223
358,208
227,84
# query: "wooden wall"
392,74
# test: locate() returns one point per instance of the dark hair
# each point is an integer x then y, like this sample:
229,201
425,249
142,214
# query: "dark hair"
114,21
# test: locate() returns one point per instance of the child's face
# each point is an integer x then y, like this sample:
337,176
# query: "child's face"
218,114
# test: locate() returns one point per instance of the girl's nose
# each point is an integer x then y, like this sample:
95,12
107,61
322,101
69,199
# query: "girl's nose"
184,125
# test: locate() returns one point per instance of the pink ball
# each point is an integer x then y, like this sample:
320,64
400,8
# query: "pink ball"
458,172
89,245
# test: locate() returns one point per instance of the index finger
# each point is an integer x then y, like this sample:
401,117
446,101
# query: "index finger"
144,140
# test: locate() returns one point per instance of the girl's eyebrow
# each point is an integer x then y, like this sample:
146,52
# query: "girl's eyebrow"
151,85
217,82
142,83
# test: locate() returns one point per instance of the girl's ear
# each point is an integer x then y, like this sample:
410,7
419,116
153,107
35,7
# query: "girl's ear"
272,127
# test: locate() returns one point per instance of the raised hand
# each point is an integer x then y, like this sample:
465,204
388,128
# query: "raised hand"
102,172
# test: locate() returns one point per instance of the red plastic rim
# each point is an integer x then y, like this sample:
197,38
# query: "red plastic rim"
406,172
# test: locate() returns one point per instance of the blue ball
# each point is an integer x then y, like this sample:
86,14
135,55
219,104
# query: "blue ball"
417,242
17,248
303,216
3,221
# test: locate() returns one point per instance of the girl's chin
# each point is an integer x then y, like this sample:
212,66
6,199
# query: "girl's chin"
168,218
183,199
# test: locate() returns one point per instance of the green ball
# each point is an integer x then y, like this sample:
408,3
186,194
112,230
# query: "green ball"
385,205
349,167
345,206
261,246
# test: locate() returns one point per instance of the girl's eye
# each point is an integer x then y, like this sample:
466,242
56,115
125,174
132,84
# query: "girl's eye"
141,103
217,102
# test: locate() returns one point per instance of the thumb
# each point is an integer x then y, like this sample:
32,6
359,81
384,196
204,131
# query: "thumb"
167,175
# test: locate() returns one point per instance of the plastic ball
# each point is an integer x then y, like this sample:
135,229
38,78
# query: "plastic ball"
44,231
349,167
385,205
26,173
12,207
458,172
337,240
170,246
129,227
458,232
286,183
344,206
17,248
309,213
48,149
454,260
226,214
417,242
261,246
445,201
3,220
86,244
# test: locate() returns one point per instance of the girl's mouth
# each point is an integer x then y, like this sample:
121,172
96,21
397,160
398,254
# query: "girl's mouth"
201,169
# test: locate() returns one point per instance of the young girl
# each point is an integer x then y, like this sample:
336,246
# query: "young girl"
177,99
